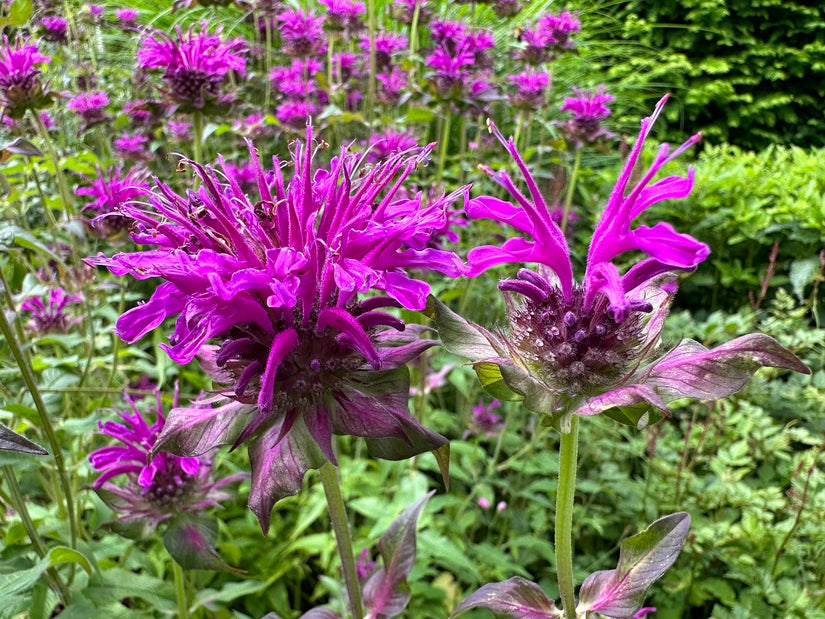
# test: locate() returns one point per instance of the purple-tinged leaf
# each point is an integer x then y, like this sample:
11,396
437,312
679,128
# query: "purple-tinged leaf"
279,464
516,598
12,441
459,336
442,458
691,370
193,431
643,559
386,592
633,403
191,542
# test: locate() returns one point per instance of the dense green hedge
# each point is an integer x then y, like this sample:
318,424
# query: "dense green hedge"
747,72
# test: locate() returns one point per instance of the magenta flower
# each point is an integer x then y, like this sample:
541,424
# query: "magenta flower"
127,18
559,27
134,147
301,33
294,114
448,33
90,106
588,348
391,86
274,279
180,131
47,120
344,15
53,28
20,87
451,71
50,317
195,64
297,81
157,486
387,45
382,146
485,422
110,192
589,109
531,93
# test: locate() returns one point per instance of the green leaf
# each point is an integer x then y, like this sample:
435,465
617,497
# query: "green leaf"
459,336
490,377
419,115
442,457
802,274
62,554
643,559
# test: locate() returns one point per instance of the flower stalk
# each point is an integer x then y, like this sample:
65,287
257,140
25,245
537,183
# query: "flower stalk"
571,186
565,496
340,525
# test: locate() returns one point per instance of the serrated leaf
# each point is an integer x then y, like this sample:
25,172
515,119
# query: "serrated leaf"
12,441
516,598
643,559
386,592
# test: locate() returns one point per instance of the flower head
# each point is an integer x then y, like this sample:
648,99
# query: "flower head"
344,15
157,486
195,64
301,33
134,147
50,317
387,45
506,8
274,282
20,87
54,28
90,106
110,192
127,17
589,109
580,348
559,27
404,11
531,86
485,421
181,131
382,146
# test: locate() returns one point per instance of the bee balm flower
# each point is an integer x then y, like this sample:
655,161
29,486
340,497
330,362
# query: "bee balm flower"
276,282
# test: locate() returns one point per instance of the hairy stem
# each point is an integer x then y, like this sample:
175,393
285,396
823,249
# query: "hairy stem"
340,525
565,496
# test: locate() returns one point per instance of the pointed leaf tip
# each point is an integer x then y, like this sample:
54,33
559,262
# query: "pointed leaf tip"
643,559
12,441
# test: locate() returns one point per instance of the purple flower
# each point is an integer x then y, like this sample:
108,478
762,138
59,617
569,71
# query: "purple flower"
54,28
382,146
90,107
274,279
127,17
47,120
532,88
559,28
180,131
536,46
146,114
344,15
387,45
157,486
301,33
20,87
581,348
485,422
451,72
294,114
297,81
364,566
589,110
391,86
133,147
110,193
448,33
195,64
253,126
49,317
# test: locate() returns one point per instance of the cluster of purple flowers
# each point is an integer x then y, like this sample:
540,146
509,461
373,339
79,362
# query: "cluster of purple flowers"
461,63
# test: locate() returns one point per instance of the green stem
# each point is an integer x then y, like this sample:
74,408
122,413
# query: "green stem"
338,518
180,591
18,502
68,204
197,137
565,496
45,422
571,186
442,155
414,39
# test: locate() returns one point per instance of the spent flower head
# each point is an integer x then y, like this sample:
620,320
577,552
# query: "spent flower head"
269,293
156,486
590,347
